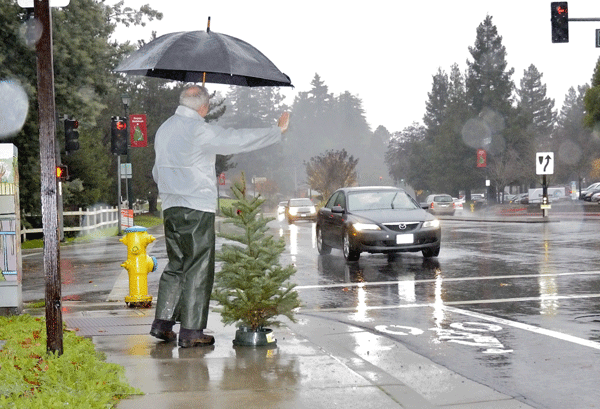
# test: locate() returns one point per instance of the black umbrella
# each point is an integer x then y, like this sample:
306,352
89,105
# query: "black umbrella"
194,56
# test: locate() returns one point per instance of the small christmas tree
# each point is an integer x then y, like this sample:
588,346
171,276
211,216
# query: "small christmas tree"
252,288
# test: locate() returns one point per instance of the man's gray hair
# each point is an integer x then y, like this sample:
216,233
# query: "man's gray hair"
194,96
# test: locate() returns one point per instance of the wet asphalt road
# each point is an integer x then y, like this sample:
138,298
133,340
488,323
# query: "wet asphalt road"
511,305
515,306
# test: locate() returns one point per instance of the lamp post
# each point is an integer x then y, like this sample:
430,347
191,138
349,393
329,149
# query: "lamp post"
126,99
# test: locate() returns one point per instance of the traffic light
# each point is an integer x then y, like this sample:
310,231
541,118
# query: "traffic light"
118,135
71,135
62,172
559,16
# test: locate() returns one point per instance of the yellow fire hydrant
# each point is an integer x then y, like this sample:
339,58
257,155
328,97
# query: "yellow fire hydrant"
138,265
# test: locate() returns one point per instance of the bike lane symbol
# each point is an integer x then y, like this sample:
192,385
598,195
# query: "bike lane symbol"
474,334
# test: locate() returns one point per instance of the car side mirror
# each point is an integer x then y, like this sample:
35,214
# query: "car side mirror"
337,209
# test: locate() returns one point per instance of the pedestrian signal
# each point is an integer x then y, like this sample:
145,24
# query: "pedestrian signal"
62,172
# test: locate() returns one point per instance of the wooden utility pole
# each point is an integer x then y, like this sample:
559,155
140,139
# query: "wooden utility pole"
47,118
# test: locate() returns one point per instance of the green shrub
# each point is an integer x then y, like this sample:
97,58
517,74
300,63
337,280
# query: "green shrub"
32,378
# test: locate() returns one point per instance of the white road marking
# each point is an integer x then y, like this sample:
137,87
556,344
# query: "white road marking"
394,331
526,327
450,305
444,280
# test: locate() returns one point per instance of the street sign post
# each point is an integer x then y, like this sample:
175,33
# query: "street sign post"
544,165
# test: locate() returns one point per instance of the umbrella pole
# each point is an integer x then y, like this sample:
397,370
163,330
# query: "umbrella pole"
208,31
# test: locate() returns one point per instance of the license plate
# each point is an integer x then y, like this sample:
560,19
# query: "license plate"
405,239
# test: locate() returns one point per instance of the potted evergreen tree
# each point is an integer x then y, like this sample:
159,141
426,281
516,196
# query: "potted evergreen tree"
252,288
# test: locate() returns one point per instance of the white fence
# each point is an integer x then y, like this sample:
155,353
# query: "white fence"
89,220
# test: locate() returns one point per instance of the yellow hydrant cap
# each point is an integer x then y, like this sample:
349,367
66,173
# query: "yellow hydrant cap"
135,229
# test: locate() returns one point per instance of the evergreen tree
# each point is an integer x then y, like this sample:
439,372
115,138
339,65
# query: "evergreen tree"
404,156
489,84
437,103
535,105
252,287
450,155
374,157
84,83
311,129
592,102
489,92
573,142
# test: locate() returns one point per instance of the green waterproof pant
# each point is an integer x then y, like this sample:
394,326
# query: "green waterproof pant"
187,280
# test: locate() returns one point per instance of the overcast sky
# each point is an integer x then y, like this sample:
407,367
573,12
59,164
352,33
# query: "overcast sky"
386,52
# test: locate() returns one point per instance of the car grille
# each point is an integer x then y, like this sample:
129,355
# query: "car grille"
402,227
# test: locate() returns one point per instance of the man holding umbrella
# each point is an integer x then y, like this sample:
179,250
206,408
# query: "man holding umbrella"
186,148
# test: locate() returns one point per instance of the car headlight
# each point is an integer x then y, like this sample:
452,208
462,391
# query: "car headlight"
313,210
365,226
435,223
293,211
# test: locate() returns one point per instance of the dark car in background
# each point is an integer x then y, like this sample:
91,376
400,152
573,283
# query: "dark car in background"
300,209
376,219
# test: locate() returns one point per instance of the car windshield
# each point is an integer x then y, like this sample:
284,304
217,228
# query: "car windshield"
300,202
380,199
442,199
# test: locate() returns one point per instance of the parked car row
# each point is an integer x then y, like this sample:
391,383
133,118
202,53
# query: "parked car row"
592,191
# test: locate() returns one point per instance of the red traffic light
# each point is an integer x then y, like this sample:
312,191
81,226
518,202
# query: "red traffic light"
121,125
559,19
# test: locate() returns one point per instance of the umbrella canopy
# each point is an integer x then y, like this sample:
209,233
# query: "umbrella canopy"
194,56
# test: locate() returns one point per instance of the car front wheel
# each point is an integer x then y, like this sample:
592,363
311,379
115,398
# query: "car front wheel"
321,246
350,253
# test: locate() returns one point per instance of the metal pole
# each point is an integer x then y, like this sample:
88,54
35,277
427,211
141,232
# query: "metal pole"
119,195
47,118
128,183
544,196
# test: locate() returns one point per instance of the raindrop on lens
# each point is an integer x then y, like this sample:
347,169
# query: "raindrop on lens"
476,133
31,32
13,107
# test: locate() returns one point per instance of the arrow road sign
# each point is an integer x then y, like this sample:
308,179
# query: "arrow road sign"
544,163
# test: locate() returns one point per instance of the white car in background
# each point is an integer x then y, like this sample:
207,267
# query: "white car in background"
458,203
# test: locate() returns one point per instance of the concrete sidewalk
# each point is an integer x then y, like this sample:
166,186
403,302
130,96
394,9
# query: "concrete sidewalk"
318,363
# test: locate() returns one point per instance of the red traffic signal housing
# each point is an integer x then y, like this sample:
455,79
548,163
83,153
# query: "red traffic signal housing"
118,135
559,18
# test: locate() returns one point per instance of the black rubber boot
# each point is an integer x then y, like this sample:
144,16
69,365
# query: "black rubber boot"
194,338
163,329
